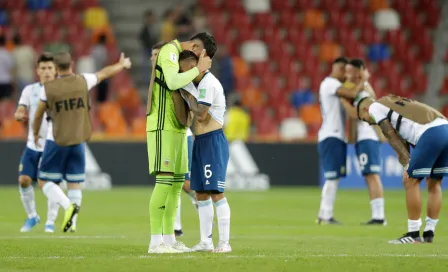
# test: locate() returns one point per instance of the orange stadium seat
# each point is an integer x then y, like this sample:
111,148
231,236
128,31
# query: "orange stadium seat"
314,19
376,5
252,97
139,126
240,67
116,128
328,51
12,129
310,114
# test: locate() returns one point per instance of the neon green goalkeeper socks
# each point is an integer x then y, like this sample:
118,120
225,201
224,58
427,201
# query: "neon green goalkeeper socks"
157,203
171,205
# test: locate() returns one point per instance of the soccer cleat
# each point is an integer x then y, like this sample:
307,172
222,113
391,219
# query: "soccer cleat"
178,233
428,236
330,221
163,249
375,222
49,228
408,238
203,247
223,247
29,224
73,229
181,247
68,217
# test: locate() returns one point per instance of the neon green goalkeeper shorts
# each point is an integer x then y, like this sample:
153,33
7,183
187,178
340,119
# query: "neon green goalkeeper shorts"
167,152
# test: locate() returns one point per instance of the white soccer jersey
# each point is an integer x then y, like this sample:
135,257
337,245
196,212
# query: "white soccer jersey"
30,99
189,132
365,131
211,93
333,114
91,80
409,130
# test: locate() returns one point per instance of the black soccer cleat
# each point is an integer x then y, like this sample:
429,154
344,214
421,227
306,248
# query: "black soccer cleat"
408,238
178,233
428,236
330,221
375,222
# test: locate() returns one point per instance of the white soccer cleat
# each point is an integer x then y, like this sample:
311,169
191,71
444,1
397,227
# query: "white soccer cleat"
163,249
180,246
223,247
203,247
29,224
49,228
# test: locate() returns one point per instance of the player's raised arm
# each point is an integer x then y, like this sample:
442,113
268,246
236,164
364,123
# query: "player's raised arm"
170,66
111,70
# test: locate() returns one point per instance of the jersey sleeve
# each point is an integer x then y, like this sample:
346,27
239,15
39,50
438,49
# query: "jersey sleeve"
91,80
168,60
192,90
378,112
331,86
25,97
43,95
206,94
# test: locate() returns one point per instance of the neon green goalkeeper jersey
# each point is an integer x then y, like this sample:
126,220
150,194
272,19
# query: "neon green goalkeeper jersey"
162,115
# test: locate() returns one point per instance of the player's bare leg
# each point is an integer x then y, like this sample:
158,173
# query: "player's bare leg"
75,195
27,196
178,224
223,214
190,193
433,208
414,208
206,215
376,195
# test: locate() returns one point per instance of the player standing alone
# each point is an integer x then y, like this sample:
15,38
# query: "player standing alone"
332,146
29,162
66,101
210,157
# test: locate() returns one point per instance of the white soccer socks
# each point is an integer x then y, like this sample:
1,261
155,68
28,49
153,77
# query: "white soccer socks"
54,193
328,198
431,224
223,214
75,196
414,225
377,206
52,214
27,197
206,214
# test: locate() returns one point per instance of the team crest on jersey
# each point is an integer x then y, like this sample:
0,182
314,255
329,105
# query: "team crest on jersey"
173,57
202,93
166,162
20,167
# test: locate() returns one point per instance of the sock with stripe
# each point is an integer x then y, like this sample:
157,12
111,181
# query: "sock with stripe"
157,207
27,197
169,218
328,198
52,213
223,214
54,193
206,215
178,223
75,196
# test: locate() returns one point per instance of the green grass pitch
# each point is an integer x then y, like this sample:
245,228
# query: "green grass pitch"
270,231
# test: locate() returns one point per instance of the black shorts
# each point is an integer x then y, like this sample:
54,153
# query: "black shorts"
5,91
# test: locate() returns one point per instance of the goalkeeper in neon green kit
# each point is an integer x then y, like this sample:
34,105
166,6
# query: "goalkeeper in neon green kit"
166,138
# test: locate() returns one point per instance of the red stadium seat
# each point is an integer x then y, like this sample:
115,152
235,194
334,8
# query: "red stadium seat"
285,111
305,4
264,20
258,113
85,4
267,128
240,19
62,4
281,5
13,4
347,35
297,36
233,6
70,17
289,19
272,35
260,68
357,7
330,5
44,18
246,34
303,51
21,18
337,19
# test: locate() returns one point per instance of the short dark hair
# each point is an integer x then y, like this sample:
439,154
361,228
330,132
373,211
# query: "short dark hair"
45,57
2,40
63,60
158,45
17,39
343,60
209,42
186,54
357,63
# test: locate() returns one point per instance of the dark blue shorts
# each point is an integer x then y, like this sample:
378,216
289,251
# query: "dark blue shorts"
190,155
63,162
210,158
29,163
369,157
333,157
430,156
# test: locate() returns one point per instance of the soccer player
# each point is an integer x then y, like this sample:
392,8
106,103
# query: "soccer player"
406,123
166,137
29,162
210,157
367,148
332,145
66,101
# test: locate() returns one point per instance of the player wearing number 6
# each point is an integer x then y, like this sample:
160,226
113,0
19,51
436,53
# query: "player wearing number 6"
406,123
210,155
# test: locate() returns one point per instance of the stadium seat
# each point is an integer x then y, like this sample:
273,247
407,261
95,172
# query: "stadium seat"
233,6
310,114
61,4
260,68
139,127
281,6
116,128
268,128
289,20
264,20
13,4
44,18
314,19
252,97
285,111
376,5
12,128
328,51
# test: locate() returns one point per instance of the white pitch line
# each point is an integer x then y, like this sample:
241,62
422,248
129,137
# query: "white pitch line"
188,256
61,237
